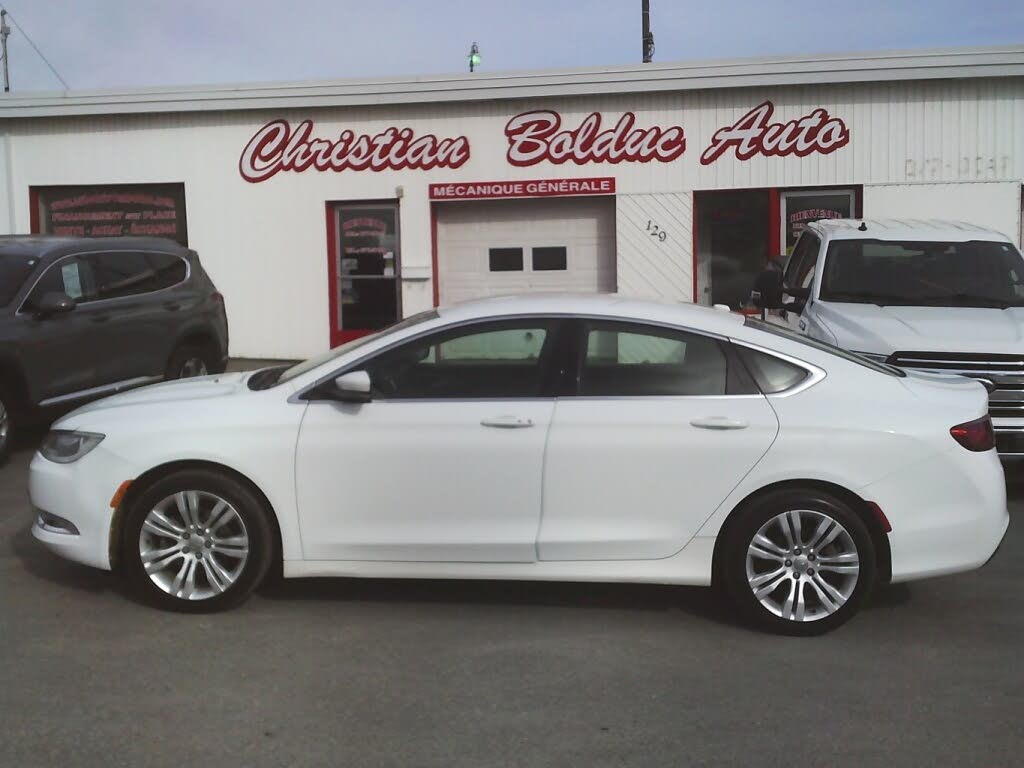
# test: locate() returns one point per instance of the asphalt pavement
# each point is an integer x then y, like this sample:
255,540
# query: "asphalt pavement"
343,672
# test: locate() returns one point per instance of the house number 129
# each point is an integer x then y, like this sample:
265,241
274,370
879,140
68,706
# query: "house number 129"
656,231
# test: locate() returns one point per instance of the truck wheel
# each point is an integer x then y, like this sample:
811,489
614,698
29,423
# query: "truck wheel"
6,425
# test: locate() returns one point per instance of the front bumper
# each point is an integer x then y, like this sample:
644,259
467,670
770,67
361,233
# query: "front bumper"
80,493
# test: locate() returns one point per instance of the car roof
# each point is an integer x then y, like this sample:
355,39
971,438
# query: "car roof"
610,305
904,229
55,246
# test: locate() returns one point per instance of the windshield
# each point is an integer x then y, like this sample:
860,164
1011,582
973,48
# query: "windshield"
799,338
927,274
307,365
14,271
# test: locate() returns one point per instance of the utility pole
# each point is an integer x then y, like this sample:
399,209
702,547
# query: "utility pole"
648,36
4,32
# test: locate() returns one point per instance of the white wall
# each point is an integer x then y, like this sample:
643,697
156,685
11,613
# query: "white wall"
989,204
265,244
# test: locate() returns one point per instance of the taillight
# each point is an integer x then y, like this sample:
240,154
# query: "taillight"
975,435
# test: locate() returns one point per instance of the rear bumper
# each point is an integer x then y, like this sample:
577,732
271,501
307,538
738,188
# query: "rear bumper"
948,513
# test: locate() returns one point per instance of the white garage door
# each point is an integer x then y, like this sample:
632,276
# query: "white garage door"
497,247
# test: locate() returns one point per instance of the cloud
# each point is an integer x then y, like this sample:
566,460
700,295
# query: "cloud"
124,43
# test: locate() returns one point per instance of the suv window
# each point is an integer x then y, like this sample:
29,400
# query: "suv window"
626,359
491,360
124,273
800,269
71,276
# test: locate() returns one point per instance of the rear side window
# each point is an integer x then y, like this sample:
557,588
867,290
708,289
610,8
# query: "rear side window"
622,359
119,274
772,374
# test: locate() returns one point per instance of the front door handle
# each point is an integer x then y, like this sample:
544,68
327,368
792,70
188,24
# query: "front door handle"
719,422
507,422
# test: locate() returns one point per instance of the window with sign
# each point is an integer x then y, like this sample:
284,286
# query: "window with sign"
800,207
368,290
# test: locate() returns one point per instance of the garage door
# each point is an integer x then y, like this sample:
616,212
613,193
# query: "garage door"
497,247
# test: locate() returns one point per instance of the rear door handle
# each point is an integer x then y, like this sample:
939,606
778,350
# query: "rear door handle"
507,422
719,422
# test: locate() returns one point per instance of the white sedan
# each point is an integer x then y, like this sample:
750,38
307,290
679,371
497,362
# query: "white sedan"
568,438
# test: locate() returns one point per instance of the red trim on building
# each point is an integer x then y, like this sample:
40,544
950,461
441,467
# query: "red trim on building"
693,213
774,223
332,275
433,254
33,211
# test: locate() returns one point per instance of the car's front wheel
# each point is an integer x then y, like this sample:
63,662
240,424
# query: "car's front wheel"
197,540
798,562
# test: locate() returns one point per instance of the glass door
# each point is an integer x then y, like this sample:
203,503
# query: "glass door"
367,265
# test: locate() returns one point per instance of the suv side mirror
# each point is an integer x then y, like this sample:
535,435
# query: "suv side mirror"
54,303
767,293
352,387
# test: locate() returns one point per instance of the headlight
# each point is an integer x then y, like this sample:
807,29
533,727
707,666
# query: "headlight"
64,446
873,356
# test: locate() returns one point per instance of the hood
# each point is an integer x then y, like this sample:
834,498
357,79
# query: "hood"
883,330
198,388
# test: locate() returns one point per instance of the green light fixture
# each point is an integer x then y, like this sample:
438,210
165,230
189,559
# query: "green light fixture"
474,57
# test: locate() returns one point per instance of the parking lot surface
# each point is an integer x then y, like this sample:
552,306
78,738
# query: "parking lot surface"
344,672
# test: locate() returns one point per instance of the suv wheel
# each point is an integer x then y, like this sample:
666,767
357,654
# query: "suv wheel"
190,360
6,425
196,541
798,562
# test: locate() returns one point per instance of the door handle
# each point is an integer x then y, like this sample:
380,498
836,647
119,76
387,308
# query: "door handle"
507,422
803,325
719,422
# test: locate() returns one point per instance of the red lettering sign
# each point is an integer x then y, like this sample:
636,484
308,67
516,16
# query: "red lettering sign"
532,188
276,147
534,137
753,135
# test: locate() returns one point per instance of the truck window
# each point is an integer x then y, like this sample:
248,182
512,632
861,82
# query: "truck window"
975,273
802,262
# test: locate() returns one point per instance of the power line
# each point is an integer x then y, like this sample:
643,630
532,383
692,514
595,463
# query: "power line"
35,48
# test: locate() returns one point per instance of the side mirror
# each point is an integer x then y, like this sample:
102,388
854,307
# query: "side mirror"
767,293
353,387
54,303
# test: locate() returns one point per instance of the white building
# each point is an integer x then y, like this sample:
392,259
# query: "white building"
323,210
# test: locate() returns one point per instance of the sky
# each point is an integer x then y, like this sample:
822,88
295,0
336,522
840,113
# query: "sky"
125,43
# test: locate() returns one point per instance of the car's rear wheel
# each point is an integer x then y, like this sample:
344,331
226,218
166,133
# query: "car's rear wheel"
190,360
798,562
197,541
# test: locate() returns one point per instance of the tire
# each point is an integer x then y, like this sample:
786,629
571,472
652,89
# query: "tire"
831,582
191,571
7,429
188,360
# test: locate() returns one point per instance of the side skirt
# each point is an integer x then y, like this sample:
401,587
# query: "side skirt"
691,566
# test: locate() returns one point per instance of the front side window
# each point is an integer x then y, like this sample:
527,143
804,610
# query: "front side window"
71,276
627,360
493,360
931,274
803,260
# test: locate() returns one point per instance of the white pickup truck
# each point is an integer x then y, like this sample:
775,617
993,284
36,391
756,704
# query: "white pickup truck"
926,295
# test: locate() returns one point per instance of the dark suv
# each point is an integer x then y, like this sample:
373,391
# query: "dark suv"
81,318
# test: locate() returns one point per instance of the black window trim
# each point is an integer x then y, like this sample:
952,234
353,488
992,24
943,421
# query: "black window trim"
551,381
101,302
578,350
567,388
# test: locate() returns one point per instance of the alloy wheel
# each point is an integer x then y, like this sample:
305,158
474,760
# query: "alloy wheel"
194,366
193,545
802,565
